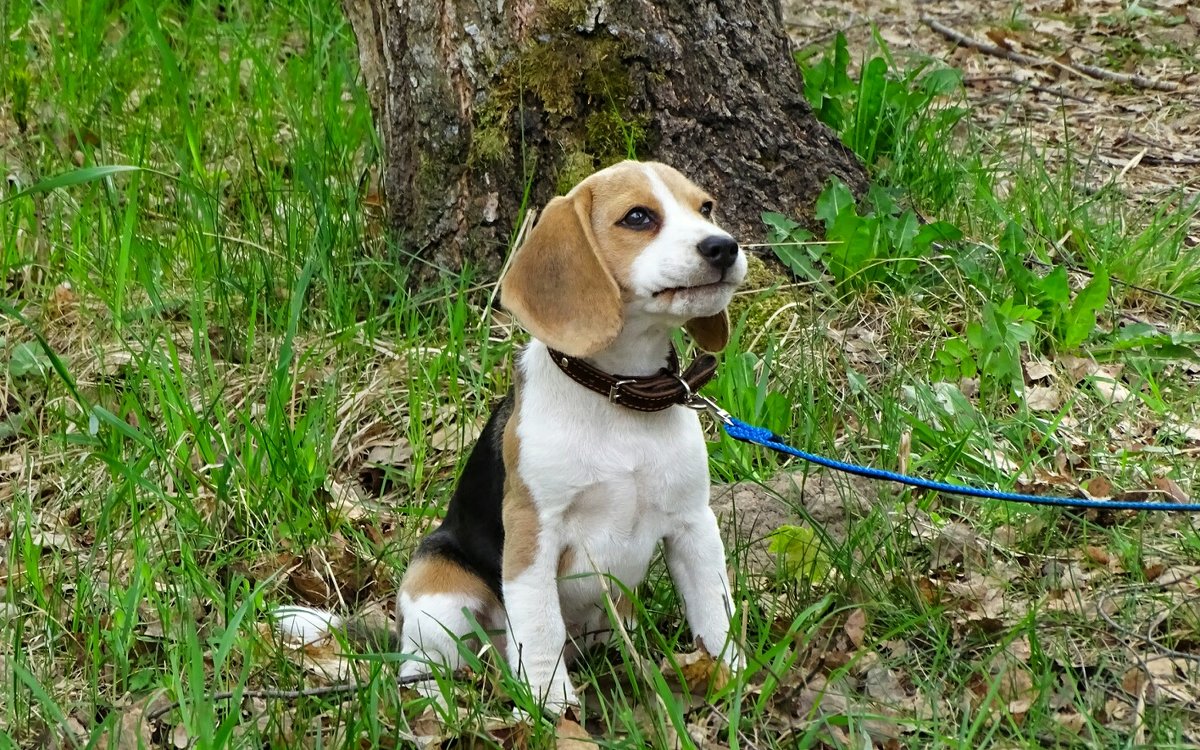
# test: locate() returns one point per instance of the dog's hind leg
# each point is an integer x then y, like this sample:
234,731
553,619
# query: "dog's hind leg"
439,605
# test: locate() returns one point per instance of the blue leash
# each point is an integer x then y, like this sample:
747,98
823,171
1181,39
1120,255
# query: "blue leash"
739,430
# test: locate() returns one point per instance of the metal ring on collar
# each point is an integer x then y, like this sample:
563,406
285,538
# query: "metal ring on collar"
687,389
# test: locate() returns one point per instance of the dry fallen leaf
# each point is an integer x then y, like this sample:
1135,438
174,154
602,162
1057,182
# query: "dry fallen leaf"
569,735
1173,491
1097,555
130,731
51,540
1099,488
955,544
346,500
1106,382
1042,398
453,437
1036,369
1072,721
428,728
856,626
698,669
999,37
309,586
180,737
395,453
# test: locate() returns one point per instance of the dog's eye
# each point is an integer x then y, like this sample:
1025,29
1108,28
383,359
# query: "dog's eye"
637,218
706,209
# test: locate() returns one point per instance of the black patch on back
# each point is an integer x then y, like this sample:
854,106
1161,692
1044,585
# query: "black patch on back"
473,533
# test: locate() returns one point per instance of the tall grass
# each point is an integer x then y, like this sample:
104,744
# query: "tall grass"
236,401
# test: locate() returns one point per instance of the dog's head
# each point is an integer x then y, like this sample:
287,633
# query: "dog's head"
635,240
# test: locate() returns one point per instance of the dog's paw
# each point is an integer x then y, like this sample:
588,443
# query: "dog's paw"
555,700
415,676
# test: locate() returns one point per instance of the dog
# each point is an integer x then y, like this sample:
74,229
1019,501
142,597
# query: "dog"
593,458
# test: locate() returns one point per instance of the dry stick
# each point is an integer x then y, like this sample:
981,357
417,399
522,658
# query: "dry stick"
336,689
1079,69
1149,640
1033,86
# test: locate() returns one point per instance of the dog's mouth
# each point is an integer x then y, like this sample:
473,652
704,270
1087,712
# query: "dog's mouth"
709,287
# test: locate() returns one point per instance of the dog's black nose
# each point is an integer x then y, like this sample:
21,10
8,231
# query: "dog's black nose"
720,251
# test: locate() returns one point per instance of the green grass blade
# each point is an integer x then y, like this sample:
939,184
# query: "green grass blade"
74,177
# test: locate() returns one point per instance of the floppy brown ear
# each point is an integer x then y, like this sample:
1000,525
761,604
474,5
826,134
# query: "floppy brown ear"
557,286
711,332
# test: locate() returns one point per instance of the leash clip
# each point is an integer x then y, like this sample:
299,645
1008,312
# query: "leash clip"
696,402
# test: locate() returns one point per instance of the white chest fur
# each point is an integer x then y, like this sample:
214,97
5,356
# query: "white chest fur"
608,482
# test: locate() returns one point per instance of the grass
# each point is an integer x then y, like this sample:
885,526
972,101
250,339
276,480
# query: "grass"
239,405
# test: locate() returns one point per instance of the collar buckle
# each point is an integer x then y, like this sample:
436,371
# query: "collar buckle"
614,390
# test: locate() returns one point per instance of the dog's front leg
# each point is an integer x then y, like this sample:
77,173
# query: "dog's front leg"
696,558
537,634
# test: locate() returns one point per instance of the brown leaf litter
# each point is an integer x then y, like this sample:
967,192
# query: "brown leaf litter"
1145,140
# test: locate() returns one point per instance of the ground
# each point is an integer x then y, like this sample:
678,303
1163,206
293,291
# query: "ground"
1147,138
218,398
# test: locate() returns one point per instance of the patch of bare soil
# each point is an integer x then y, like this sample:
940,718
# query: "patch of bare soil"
1113,86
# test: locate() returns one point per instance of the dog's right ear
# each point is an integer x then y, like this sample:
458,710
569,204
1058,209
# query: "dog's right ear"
557,286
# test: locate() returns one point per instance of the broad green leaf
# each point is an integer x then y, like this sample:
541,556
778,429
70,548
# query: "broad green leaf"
882,200
1055,287
904,230
1012,242
937,231
833,201
778,225
798,260
803,554
28,359
1082,317
942,81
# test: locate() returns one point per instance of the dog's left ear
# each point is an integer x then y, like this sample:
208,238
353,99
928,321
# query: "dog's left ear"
711,332
557,286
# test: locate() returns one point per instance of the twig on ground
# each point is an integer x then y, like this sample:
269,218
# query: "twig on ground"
1174,159
274,694
826,36
1033,86
1079,69
1149,640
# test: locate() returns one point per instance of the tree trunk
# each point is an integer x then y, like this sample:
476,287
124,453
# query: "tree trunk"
483,105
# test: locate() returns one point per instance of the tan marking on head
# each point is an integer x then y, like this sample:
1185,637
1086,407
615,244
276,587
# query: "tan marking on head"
521,523
567,281
435,574
690,195
615,192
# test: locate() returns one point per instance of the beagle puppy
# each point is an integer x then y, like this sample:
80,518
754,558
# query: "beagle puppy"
593,458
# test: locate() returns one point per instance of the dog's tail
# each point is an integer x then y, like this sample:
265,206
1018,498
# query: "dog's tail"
308,625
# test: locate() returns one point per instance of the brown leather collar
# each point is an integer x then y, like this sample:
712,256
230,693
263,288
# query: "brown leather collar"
647,392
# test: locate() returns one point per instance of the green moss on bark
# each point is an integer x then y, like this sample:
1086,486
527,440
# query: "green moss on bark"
576,84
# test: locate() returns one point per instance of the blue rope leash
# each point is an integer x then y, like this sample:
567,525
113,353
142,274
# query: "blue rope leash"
739,430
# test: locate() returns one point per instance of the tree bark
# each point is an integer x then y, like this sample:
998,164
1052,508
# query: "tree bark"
486,105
